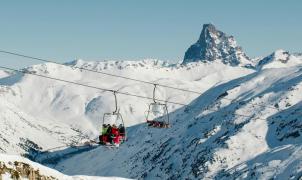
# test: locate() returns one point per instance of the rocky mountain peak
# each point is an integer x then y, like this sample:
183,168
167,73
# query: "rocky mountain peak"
207,30
213,45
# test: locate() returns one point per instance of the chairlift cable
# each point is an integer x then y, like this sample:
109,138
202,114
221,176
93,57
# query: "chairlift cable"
154,93
123,77
109,90
89,86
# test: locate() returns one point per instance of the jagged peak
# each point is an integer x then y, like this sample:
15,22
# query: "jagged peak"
213,45
207,28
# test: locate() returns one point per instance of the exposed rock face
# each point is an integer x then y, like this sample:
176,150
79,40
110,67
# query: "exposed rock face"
213,45
21,170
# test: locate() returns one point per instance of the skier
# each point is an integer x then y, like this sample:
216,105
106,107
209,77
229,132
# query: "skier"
121,130
151,123
114,137
156,124
104,136
104,129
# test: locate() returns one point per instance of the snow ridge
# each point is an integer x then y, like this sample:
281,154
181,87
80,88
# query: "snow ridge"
279,58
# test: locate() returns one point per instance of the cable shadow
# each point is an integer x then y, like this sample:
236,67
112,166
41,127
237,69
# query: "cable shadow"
55,155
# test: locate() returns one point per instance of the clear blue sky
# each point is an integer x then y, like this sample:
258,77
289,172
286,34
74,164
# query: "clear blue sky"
133,29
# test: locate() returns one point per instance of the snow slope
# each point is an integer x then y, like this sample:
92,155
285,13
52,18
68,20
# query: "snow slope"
10,164
3,74
82,108
280,58
44,114
22,133
208,140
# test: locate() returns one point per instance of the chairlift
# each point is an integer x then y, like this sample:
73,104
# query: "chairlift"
115,118
157,114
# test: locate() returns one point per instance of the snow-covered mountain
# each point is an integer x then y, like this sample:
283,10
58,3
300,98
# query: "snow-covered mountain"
68,113
244,124
216,45
248,137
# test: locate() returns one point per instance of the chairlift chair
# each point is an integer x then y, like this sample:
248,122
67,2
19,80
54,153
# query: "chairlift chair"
116,116
160,113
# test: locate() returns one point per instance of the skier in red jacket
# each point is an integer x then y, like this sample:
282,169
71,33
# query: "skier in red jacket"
114,137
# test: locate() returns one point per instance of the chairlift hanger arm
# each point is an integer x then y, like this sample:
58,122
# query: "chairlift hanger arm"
115,100
154,99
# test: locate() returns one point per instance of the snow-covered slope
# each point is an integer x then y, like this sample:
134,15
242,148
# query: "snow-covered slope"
22,133
280,58
16,167
249,137
44,114
83,108
3,74
206,139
